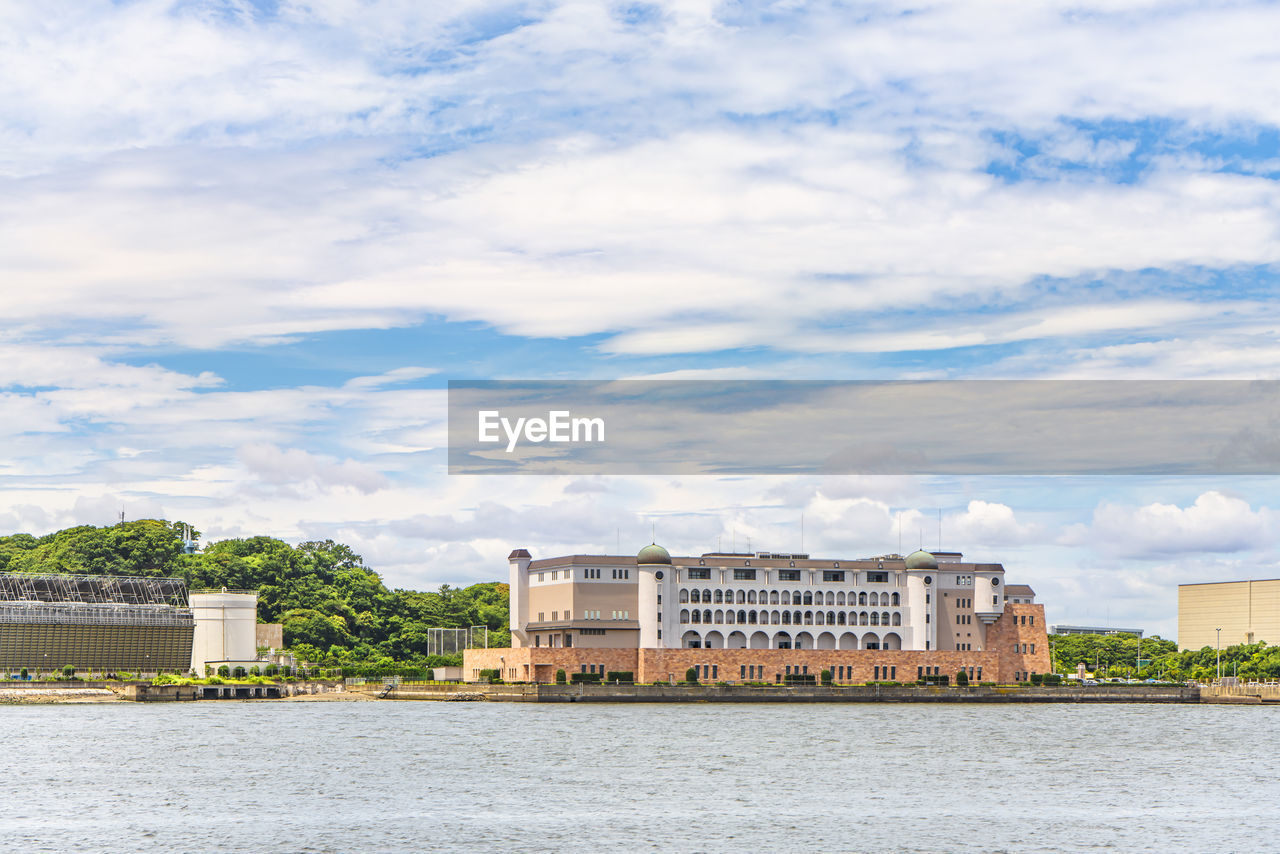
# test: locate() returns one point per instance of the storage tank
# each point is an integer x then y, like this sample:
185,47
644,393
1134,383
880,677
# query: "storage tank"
226,626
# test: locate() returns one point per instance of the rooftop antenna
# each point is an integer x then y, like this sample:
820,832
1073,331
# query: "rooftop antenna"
121,517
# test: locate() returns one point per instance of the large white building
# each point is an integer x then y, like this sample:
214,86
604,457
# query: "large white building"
925,601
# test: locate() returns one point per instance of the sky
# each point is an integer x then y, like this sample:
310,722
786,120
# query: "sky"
247,244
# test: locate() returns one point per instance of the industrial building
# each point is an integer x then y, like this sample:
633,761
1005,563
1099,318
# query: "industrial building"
762,615
1244,611
1094,630
103,623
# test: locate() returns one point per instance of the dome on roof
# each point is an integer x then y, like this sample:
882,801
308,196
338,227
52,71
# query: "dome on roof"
921,559
653,553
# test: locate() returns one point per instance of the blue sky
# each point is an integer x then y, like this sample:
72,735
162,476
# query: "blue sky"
247,244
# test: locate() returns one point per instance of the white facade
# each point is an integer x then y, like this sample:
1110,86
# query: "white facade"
759,601
226,628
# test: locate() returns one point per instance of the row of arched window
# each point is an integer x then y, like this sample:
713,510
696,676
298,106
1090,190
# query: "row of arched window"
792,618
720,596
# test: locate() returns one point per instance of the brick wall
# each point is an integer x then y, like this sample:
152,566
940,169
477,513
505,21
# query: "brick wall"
1020,624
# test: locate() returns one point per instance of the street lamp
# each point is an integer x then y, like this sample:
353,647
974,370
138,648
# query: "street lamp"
1219,630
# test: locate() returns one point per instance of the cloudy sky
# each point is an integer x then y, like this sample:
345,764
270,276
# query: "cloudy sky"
247,243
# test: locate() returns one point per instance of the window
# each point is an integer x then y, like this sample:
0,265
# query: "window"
1033,649
832,575
537,640
699,574
568,639
542,616
591,631
555,615
788,575
555,574
1033,619
878,577
744,575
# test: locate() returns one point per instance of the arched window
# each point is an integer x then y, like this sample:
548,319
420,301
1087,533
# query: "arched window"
875,598
831,618
719,596
706,616
742,617
706,597
896,600
773,597
875,618
884,618
697,615
751,597
684,615
728,617
840,617
840,598
786,618
719,618
808,598
695,597
684,595
796,618
897,618
777,618
862,598
819,618
862,618
786,597
831,598
808,618
764,597
753,616
742,597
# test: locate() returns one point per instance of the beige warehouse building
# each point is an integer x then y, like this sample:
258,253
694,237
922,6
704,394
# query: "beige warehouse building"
1246,611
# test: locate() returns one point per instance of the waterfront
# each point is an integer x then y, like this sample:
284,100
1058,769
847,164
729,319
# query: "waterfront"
341,777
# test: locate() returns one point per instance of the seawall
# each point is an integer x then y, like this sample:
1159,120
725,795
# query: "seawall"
542,693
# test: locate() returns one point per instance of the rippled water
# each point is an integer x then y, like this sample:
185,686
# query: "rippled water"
408,776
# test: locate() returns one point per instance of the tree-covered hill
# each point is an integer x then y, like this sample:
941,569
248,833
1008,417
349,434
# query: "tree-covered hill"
334,609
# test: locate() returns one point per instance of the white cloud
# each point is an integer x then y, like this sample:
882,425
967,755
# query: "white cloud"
1215,522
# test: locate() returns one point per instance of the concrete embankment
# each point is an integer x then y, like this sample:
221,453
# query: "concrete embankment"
530,693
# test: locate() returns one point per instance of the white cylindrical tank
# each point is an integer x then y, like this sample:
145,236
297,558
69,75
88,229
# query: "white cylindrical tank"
226,628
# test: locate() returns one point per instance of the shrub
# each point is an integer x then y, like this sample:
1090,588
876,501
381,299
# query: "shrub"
560,677
224,671
962,679
620,676
1037,679
490,675
271,670
827,677
800,679
239,672
69,671
286,670
24,673
255,671
588,678
691,676
1053,679
939,679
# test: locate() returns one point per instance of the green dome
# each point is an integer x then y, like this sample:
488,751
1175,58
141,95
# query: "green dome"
921,559
653,553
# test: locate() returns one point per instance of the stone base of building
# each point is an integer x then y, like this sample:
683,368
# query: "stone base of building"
529,664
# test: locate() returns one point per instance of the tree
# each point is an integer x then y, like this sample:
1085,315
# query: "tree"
691,676
560,677
826,677
962,678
